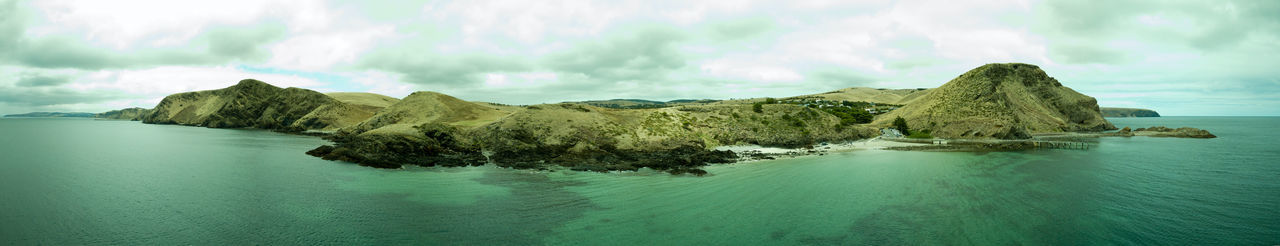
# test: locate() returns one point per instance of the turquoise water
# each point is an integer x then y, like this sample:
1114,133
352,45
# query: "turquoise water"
77,181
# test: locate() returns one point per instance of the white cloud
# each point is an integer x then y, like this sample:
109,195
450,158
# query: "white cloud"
128,24
153,83
321,51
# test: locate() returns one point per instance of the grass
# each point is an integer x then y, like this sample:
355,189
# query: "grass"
920,135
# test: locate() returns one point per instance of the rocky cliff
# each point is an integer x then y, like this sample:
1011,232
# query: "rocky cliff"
1005,101
1128,112
252,103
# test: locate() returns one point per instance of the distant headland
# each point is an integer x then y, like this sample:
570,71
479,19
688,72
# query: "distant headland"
1128,112
51,115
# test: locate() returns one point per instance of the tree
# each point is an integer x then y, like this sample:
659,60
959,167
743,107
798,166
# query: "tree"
757,107
770,100
901,125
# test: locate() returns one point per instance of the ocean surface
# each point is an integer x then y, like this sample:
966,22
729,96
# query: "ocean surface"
83,181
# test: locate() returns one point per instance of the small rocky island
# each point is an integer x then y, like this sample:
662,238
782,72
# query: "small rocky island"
997,102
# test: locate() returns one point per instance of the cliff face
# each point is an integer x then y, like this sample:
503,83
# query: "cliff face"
134,114
252,103
1128,112
1006,101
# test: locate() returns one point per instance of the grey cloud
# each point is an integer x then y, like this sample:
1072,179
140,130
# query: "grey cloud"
19,96
843,78
1084,54
1077,31
433,70
40,80
742,28
66,52
645,54
11,27
242,41
60,51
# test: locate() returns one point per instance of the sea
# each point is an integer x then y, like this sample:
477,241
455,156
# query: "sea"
102,182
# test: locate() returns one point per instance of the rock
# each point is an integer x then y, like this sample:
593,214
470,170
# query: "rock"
1003,101
1183,132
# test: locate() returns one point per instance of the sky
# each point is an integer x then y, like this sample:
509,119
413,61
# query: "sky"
1177,57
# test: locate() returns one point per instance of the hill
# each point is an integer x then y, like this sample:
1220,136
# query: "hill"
641,103
425,107
124,114
1128,112
50,115
252,103
1006,101
872,95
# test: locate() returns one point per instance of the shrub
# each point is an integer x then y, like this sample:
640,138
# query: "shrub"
770,100
901,124
757,107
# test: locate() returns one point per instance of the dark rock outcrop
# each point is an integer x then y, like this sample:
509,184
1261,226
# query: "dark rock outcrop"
1183,132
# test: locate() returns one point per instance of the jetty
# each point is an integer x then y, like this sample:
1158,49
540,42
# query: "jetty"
996,143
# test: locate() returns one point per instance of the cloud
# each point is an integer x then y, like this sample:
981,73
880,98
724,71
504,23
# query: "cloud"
637,54
22,96
437,70
11,26
527,52
742,28
1085,54
1083,32
41,80
243,41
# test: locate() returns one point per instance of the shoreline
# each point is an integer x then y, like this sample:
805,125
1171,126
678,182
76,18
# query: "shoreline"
754,153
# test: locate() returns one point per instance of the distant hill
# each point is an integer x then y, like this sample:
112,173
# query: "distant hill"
51,114
124,114
1128,112
1005,101
873,95
641,103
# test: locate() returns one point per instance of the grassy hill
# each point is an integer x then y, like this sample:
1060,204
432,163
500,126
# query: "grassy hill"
1007,101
